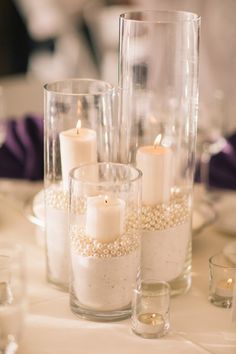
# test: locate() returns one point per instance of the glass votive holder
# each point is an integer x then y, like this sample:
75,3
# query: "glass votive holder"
222,276
105,247
151,309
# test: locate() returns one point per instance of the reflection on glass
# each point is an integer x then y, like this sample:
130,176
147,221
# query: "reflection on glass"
210,139
12,296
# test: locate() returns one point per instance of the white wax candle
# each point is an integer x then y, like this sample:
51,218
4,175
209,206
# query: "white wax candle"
155,163
225,288
77,146
105,218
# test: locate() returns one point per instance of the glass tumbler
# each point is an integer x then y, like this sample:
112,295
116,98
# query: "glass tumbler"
105,205
79,129
12,296
158,80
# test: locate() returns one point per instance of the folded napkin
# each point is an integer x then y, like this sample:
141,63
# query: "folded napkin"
222,167
21,155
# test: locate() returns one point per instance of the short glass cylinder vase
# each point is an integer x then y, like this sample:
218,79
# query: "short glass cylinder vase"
104,228
158,80
78,130
151,309
222,279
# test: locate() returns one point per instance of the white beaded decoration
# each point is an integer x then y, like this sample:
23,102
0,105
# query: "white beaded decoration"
165,216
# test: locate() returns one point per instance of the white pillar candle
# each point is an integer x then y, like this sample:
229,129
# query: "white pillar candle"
105,218
155,163
77,146
225,288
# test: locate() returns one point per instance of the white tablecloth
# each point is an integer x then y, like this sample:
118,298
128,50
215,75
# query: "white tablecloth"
196,325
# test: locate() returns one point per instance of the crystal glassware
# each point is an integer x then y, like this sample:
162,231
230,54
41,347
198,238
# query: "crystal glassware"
78,130
105,205
158,82
12,296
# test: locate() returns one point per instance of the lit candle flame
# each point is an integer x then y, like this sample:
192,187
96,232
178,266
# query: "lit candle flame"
106,199
229,282
78,126
157,141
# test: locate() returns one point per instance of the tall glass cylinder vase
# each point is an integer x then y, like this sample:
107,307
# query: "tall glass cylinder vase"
78,130
158,79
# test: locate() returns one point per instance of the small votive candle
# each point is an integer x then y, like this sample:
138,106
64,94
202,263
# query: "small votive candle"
150,309
221,280
225,288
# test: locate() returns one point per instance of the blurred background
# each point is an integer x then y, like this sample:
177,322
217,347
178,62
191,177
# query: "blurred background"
47,40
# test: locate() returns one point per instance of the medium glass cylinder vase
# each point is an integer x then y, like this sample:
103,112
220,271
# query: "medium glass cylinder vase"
78,130
158,79
104,228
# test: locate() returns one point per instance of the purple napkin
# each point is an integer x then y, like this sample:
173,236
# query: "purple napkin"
21,156
222,168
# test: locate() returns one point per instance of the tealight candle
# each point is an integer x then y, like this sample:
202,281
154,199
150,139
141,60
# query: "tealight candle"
105,218
155,163
77,146
225,288
150,323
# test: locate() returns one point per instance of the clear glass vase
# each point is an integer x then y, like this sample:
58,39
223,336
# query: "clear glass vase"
158,80
78,130
104,228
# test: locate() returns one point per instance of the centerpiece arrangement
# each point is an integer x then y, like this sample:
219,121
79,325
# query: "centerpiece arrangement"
93,217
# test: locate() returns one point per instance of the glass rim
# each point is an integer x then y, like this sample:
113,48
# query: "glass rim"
131,180
184,16
164,290
216,264
109,87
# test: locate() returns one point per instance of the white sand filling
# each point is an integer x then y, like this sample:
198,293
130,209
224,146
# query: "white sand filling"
164,252
104,284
